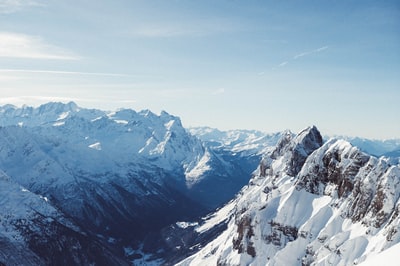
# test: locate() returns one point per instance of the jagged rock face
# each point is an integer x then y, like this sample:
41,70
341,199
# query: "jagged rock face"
337,165
305,143
294,150
363,180
309,203
282,144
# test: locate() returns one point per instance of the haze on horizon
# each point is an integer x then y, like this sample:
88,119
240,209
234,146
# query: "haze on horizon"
264,65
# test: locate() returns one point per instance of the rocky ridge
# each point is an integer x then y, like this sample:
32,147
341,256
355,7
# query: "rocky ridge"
309,203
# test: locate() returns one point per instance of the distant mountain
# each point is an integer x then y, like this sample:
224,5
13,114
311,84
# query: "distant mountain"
233,156
309,203
390,147
247,141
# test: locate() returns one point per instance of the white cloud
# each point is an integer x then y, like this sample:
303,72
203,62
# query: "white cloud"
17,45
321,49
283,64
301,55
11,6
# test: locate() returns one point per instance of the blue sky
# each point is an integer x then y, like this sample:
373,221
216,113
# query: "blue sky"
266,65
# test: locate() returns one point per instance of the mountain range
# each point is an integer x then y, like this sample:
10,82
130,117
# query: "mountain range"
85,186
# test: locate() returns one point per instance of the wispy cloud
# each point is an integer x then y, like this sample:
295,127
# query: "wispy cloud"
64,72
310,52
15,45
300,55
283,64
11,6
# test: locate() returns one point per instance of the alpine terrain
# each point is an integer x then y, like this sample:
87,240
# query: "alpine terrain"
105,181
90,187
309,202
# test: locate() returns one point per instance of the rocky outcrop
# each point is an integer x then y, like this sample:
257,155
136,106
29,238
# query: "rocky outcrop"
368,184
242,243
295,150
337,163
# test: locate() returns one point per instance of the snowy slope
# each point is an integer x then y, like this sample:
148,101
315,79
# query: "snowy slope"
309,203
388,257
32,232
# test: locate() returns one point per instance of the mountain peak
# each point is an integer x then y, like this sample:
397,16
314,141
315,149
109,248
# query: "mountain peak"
310,130
302,145
297,148
309,138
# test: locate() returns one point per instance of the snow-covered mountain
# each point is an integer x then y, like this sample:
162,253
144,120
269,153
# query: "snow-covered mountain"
82,186
122,175
125,133
309,203
106,170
